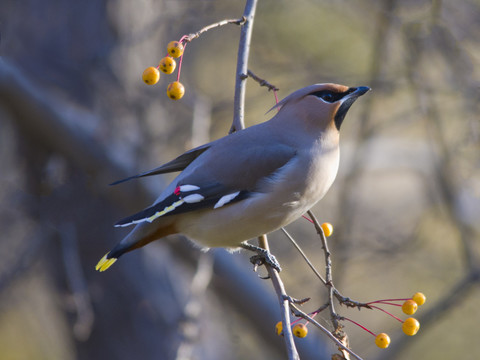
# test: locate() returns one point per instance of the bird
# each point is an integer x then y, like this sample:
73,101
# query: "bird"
251,182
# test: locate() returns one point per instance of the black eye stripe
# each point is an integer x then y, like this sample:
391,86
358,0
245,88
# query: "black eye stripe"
330,96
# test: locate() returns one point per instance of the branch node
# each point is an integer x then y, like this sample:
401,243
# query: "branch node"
192,36
262,82
292,300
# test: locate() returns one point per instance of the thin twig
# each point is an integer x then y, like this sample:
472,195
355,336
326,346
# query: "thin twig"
342,299
190,37
261,81
299,249
305,316
328,269
332,290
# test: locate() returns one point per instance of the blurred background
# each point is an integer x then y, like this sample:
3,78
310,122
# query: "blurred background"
75,116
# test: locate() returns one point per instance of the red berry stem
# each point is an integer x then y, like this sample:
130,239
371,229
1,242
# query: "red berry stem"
312,315
387,303
180,67
276,102
386,312
305,217
295,321
181,57
381,301
363,327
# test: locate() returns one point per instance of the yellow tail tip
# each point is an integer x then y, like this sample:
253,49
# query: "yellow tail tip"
105,263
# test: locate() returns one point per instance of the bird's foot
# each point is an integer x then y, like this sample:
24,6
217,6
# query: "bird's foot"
263,257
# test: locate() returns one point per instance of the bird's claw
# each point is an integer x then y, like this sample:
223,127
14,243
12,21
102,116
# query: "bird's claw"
263,257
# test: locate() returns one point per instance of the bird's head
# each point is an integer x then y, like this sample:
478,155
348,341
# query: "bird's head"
321,105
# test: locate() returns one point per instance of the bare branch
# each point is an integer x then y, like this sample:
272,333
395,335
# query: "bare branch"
283,299
292,240
190,37
261,81
328,270
307,317
242,67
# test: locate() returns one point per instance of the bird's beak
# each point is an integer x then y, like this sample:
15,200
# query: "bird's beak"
347,101
356,92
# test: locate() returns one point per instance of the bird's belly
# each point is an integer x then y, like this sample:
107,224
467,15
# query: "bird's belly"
247,219
264,212
233,224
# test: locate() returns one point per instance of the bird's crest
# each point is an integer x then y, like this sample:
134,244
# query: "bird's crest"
299,94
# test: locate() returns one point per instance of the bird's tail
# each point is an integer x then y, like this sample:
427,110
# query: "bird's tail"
121,248
105,263
140,236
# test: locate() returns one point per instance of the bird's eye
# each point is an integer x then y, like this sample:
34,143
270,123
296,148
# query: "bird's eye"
328,97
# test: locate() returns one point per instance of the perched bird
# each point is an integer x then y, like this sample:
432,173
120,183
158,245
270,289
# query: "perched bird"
251,182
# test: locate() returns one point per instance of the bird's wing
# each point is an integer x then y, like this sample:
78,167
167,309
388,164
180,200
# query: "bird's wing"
187,198
214,182
177,164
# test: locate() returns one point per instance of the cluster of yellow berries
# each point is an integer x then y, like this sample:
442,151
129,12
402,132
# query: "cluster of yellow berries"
151,75
411,325
299,330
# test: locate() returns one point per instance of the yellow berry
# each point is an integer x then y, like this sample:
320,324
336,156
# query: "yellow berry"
411,326
419,298
175,90
409,307
167,65
382,340
175,49
327,229
300,330
151,75
279,328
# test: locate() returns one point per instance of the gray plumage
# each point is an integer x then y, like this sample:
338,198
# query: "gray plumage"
251,182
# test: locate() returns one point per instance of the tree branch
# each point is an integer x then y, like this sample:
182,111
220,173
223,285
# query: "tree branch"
242,66
190,37
283,300
261,81
305,316
239,124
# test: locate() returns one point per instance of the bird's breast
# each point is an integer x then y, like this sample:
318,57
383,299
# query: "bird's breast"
281,199
322,172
